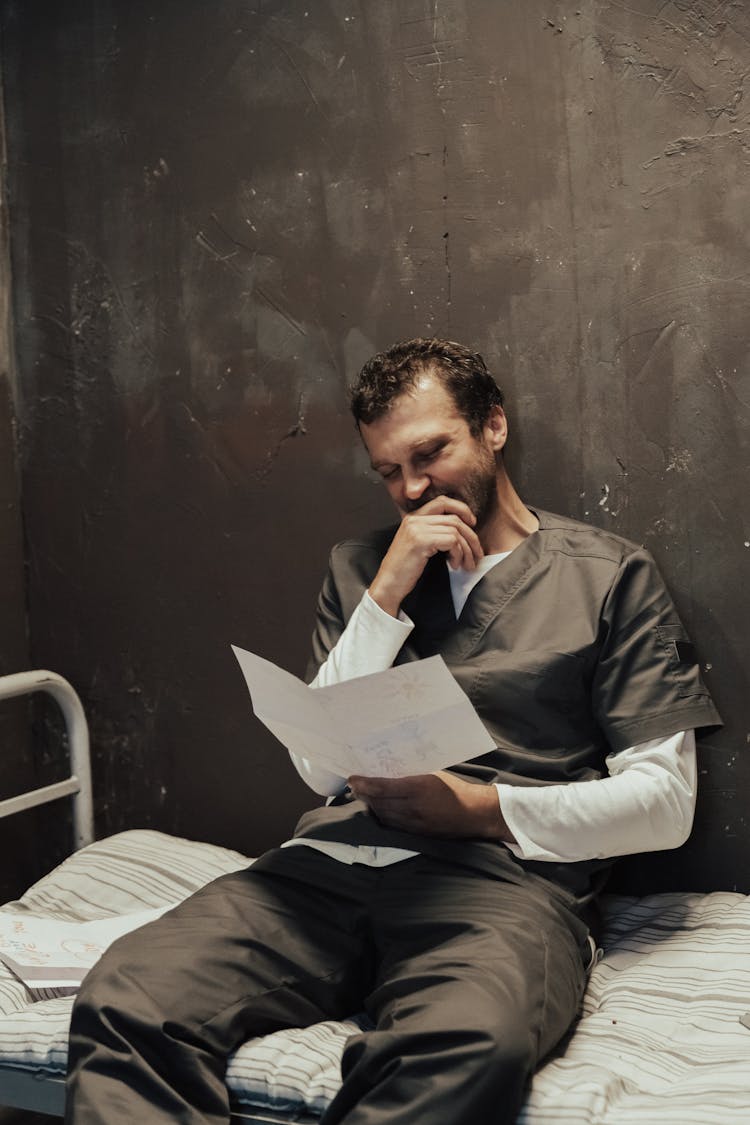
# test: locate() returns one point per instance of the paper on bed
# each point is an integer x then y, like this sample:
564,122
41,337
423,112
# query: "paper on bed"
46,953
413,718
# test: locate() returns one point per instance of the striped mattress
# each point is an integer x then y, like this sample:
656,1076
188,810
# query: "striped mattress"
659,1038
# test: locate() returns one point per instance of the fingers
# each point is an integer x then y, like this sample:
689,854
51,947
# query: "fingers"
464,552
419,537
448,505
391,799
441,525
446,512
397,802
443,531
378,788
434,804
388,799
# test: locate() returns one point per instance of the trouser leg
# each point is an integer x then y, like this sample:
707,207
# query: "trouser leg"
479,980
280,944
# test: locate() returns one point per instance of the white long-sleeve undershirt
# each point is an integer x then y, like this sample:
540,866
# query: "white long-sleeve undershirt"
645,804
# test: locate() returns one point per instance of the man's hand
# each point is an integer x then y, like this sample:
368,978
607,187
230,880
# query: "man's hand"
434,804
442,524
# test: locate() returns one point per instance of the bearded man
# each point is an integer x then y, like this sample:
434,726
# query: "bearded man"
454,908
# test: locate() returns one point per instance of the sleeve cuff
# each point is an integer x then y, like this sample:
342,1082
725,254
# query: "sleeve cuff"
376,616
370,642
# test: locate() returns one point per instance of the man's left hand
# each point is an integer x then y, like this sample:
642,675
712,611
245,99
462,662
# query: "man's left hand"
434,804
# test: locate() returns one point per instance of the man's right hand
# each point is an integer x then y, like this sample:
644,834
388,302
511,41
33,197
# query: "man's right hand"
442,524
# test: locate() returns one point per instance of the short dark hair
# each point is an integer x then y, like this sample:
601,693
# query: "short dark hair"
389,374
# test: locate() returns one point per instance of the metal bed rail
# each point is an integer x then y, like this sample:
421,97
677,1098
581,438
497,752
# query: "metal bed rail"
78,784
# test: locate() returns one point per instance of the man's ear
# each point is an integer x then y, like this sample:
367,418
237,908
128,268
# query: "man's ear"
496,429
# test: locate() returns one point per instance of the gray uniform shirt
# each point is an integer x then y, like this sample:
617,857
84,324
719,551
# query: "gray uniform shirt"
571,650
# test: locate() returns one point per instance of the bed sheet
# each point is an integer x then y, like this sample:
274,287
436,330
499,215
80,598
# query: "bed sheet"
659,1038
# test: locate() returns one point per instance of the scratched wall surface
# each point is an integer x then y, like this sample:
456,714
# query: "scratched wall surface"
220,210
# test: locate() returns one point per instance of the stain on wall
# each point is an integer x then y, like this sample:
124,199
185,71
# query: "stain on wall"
220,211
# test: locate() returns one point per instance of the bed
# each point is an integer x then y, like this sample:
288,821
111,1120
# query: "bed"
663,1034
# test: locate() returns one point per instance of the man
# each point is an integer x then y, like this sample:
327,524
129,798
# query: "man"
453,907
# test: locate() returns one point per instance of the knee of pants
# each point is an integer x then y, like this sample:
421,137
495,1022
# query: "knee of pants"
494,1063
112,985
498,1038
469,1018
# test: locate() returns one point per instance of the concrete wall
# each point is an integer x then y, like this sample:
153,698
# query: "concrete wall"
221,209
17,764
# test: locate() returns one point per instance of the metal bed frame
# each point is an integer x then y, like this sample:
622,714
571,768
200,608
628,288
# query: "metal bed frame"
45,1093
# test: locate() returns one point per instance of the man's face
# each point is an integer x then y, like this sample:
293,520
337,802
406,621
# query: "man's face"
423,448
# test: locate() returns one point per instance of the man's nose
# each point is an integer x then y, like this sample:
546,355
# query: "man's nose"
414,484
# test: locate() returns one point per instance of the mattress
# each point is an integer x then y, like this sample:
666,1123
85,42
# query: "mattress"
659,1038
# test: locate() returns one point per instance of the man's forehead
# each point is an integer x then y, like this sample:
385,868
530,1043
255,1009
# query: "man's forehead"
426,398
419,415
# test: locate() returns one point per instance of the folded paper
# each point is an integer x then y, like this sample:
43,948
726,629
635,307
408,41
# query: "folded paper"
413,718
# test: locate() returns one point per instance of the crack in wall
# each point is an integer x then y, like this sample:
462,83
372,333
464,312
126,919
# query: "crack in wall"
297,430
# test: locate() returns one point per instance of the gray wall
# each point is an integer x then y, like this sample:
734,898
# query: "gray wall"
17,765
219,210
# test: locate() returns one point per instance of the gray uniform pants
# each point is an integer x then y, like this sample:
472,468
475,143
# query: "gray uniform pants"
470,982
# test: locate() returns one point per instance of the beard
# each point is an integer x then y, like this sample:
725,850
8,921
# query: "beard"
478,491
